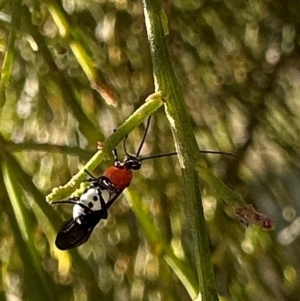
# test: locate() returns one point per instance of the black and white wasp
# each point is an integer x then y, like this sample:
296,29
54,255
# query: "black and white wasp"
88,210
92,206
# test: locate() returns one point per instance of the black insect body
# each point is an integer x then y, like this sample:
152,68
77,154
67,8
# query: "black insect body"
91,207
88,210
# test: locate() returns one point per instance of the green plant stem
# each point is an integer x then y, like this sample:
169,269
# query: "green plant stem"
186,146
21,218
68,93
71,34
47,147
159,245
10,48
222,190
153,102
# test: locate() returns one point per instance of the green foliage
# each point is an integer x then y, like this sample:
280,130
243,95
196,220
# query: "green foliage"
73,71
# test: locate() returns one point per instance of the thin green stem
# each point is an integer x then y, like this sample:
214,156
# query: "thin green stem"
22,219
186,146
153,102
47,147
72,34
159,244
222,190
68,92
10,48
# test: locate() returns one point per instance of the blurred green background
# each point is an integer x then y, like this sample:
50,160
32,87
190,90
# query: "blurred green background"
72,71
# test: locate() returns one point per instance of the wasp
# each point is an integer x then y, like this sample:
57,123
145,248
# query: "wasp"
92,206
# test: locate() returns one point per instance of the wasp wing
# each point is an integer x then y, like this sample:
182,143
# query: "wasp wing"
75,232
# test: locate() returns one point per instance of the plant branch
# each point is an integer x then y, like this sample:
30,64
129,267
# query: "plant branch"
10,46
159,245
153,102
185,142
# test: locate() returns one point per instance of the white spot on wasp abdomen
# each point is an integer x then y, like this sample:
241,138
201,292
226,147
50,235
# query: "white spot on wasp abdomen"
90,199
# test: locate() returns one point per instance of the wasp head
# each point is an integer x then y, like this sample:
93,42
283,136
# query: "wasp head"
132,162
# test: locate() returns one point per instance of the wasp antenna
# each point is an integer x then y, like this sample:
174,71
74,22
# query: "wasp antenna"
217,153
144,137
159,156
201,151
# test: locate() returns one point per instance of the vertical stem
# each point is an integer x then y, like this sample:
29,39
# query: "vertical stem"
10,51
166,84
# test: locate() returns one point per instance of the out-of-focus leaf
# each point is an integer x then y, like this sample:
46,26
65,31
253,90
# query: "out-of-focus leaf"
36,282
